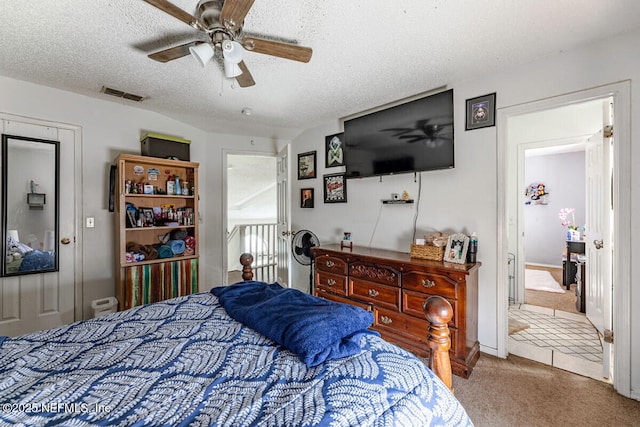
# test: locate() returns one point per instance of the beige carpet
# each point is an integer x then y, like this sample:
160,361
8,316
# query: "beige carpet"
520,392
564,302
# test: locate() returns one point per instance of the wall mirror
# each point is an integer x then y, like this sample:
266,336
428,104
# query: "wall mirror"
30,185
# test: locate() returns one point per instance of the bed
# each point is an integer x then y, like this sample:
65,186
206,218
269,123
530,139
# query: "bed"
186,361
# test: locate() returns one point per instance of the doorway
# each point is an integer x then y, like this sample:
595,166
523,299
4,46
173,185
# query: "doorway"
251,214
510,182
548,320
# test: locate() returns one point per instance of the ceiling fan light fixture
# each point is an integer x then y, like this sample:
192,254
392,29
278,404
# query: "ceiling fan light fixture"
231,69
232,51
202,53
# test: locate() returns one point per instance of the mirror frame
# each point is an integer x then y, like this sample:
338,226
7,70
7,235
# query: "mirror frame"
55,198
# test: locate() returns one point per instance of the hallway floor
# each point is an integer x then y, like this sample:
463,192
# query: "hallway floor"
565,340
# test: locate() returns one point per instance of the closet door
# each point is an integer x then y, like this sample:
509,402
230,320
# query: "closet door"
40,301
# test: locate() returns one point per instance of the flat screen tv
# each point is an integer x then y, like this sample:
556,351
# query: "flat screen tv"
411,137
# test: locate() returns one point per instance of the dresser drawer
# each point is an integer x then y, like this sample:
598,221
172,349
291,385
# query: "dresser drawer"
375,293
378,273
407,327
331,264
412,304
321,293
435,284
331,282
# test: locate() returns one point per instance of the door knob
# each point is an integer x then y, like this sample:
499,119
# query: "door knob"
65,241
599,244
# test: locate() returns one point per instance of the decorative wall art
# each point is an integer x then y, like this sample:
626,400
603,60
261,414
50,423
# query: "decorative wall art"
481,112
536,194
334,150
306,197
307,165
335,188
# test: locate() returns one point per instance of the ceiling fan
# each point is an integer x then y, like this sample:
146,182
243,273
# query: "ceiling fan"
222,21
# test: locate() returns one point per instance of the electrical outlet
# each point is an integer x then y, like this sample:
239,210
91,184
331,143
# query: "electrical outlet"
90,222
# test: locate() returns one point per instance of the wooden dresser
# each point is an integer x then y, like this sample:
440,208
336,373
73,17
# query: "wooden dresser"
394,286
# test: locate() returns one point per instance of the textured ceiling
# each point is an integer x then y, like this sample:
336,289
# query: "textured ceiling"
365,52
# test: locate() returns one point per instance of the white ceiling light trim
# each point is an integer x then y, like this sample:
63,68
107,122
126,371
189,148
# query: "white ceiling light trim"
232,53
202,53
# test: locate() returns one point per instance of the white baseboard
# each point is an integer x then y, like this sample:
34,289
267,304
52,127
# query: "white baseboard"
489,350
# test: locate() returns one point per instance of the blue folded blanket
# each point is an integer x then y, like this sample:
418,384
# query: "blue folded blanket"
177,246
315,329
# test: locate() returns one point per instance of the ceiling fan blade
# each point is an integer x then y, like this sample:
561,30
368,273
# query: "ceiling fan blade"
233,13
245,79
173,53
281,50
176,12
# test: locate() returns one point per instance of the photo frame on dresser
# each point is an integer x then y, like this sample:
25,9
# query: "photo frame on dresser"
457,246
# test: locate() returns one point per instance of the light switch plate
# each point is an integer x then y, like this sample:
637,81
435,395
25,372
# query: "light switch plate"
90,222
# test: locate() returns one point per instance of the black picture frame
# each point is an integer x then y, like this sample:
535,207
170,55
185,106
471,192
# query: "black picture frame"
480,112
334,150
307,165
148,217
131,218
335,188
306,197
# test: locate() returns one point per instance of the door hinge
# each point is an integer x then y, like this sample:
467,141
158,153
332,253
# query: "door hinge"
608,336
608,131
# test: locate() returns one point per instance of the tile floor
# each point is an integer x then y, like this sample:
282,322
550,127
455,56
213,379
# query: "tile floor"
565,340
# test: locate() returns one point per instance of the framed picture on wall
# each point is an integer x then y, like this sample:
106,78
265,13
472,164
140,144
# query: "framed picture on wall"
307,165
334,150
335,188
306,197
457,246
481,112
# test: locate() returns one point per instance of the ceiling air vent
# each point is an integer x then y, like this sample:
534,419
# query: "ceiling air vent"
120,94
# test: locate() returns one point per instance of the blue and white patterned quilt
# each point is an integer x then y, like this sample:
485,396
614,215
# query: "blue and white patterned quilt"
186,362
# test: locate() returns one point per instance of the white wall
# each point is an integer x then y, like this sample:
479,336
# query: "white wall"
564,179
108,129
465,199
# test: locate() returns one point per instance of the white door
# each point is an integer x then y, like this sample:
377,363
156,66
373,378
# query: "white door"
598,244
284,213
41,301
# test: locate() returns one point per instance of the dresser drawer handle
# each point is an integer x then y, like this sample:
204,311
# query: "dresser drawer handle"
373,293
330,264
386,320
331,282
428,283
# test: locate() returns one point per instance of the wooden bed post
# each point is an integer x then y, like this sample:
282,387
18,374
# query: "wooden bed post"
439,312
246,260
